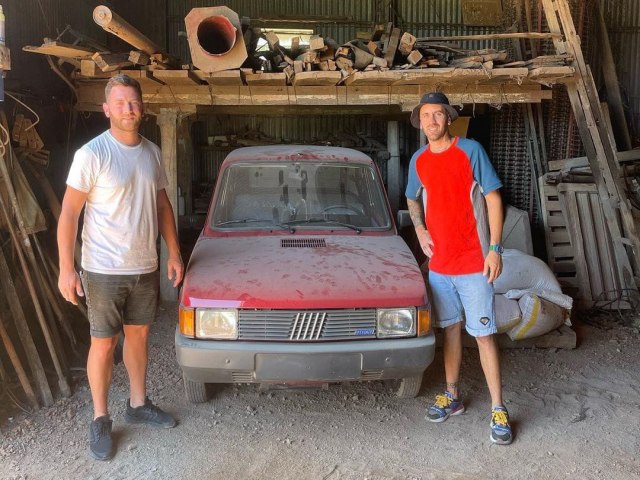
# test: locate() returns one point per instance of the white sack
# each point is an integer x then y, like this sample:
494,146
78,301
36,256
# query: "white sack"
507,313
522,273
539,316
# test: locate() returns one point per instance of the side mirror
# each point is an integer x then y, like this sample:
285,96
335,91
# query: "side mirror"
404,219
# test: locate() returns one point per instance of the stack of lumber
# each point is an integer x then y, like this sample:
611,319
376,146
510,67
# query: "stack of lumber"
37,341
270,62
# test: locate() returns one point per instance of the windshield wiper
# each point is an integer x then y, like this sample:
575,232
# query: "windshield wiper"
323,220
253,220
242,220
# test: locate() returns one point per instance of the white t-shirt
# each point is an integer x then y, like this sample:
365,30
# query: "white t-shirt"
120,220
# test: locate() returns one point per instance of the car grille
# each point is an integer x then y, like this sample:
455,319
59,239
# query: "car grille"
306,325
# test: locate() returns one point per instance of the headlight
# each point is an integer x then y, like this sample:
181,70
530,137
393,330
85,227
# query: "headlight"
396,322
220,324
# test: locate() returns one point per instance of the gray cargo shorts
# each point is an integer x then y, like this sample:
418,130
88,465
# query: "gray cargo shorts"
117,300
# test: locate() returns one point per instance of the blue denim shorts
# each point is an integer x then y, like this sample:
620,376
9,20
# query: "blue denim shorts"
117,300
463,297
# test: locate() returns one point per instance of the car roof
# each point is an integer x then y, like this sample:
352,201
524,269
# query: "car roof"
297,153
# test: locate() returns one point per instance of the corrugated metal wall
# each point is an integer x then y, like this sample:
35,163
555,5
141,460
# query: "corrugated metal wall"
623,24
27,23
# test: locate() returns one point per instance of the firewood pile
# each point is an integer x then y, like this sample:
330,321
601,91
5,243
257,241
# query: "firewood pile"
226,49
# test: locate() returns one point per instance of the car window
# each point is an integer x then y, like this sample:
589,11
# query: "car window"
309,195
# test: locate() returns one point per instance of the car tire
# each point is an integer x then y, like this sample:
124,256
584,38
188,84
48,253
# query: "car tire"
409,387
196,392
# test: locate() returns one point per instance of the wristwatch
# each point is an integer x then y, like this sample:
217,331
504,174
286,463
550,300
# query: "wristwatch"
499,249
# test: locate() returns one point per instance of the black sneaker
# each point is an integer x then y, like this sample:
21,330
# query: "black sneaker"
100,444
149,414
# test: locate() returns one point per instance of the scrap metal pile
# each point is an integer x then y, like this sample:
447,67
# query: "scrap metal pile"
227,49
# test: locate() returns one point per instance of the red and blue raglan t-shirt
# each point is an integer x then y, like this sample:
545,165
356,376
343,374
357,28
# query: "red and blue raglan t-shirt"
453,183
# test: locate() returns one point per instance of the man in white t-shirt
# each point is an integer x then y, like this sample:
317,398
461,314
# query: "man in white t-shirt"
119,179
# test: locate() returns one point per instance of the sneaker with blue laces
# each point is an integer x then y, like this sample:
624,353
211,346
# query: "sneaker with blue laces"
500,428
444,406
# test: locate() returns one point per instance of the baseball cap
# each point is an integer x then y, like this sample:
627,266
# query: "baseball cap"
436,98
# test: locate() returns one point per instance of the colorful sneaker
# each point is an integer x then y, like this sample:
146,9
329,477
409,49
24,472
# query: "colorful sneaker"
500,428
149,414
100,443
444,407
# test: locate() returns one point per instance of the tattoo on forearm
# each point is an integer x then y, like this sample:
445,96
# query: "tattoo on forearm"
416,213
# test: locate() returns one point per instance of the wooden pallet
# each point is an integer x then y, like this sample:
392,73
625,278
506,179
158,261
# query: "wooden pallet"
598,282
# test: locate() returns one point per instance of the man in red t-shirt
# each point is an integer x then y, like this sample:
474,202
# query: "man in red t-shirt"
455,205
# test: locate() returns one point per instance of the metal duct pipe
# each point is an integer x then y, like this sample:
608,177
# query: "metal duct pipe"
112,23
216,35
215,39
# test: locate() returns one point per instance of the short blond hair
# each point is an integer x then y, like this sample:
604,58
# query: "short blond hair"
122,80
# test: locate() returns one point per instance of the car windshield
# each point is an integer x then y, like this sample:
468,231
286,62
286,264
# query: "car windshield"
293,195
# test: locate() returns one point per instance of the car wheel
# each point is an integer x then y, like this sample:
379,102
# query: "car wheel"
196,391
409,387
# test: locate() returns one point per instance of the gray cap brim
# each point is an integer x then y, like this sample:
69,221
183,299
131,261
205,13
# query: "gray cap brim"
415,113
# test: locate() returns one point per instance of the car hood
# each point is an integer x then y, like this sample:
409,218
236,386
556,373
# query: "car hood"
264,272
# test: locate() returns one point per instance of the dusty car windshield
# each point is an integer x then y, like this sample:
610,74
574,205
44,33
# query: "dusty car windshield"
300,195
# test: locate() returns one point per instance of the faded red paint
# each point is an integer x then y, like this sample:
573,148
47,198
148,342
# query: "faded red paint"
249,268
256,272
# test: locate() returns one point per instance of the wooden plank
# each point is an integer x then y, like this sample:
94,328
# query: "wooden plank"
493,36
110,62
270,95
581,162
601,153
177,77
314,95
392,47
60,49
146,79
269,79
316,78
224,77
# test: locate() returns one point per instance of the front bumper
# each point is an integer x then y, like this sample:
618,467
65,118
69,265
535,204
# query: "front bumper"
211,361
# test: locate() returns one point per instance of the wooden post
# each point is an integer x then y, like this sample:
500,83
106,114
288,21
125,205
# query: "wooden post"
611,82
393,165
185,163
168,123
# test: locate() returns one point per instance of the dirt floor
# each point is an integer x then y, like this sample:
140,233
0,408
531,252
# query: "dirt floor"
576,414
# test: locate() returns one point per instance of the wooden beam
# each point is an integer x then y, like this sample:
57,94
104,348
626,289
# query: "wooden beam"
394,178
613,88
168,123
493,36
60,49
601,154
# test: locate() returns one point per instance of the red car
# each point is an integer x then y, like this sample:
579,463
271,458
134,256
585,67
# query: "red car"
299,277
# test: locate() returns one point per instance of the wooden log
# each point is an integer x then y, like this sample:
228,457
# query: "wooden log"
138,57
114,24
88,68
494,36
414,57
273,40
316,42
407,41
109,62
374,48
